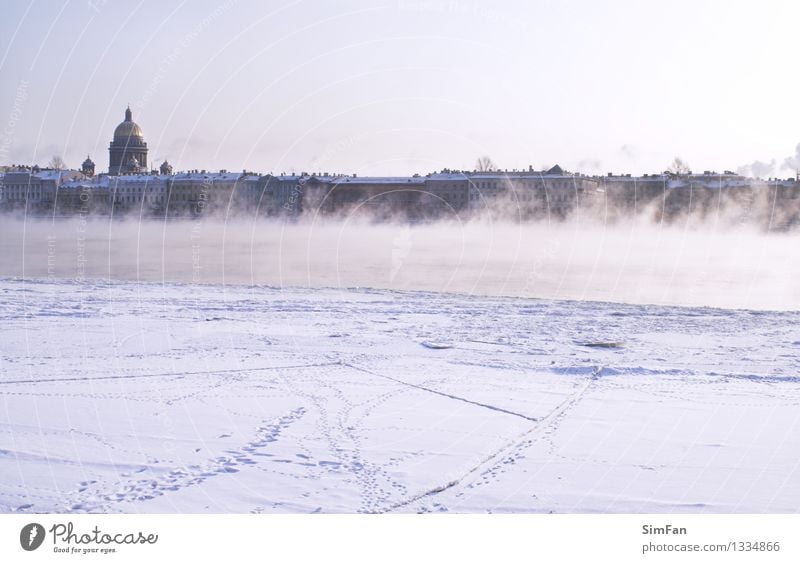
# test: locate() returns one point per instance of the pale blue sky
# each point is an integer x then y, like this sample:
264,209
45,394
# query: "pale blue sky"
400,86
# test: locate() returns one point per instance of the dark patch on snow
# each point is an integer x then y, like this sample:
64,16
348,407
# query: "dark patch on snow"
436,345
603,344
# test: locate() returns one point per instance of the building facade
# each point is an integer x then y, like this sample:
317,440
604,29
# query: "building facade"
33,189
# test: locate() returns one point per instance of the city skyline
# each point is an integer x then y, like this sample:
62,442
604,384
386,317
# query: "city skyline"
127,141
405,86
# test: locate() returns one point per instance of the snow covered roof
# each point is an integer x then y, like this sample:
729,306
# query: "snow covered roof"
133,178
380,180
83,184
447,177
520,175
28,175
214,176
636,179
58,174
307,177
711,182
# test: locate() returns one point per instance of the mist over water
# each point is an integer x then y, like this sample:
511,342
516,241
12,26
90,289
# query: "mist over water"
630,262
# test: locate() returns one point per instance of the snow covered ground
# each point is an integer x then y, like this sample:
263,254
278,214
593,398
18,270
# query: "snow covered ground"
147,397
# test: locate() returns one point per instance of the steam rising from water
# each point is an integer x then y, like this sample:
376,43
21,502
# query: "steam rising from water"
634,262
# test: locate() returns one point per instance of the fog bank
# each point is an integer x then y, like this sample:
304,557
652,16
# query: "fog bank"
634,262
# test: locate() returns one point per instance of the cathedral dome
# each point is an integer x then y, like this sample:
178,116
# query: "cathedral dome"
127,128
127,153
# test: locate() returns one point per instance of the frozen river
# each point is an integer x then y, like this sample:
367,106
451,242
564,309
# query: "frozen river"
151,397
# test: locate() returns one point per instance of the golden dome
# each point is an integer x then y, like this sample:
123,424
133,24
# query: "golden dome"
127,128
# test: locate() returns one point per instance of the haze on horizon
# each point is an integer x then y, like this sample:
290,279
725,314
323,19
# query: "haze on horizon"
404,86
689,263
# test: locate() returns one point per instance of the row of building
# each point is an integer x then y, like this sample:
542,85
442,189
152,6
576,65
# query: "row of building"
552,193
130,185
